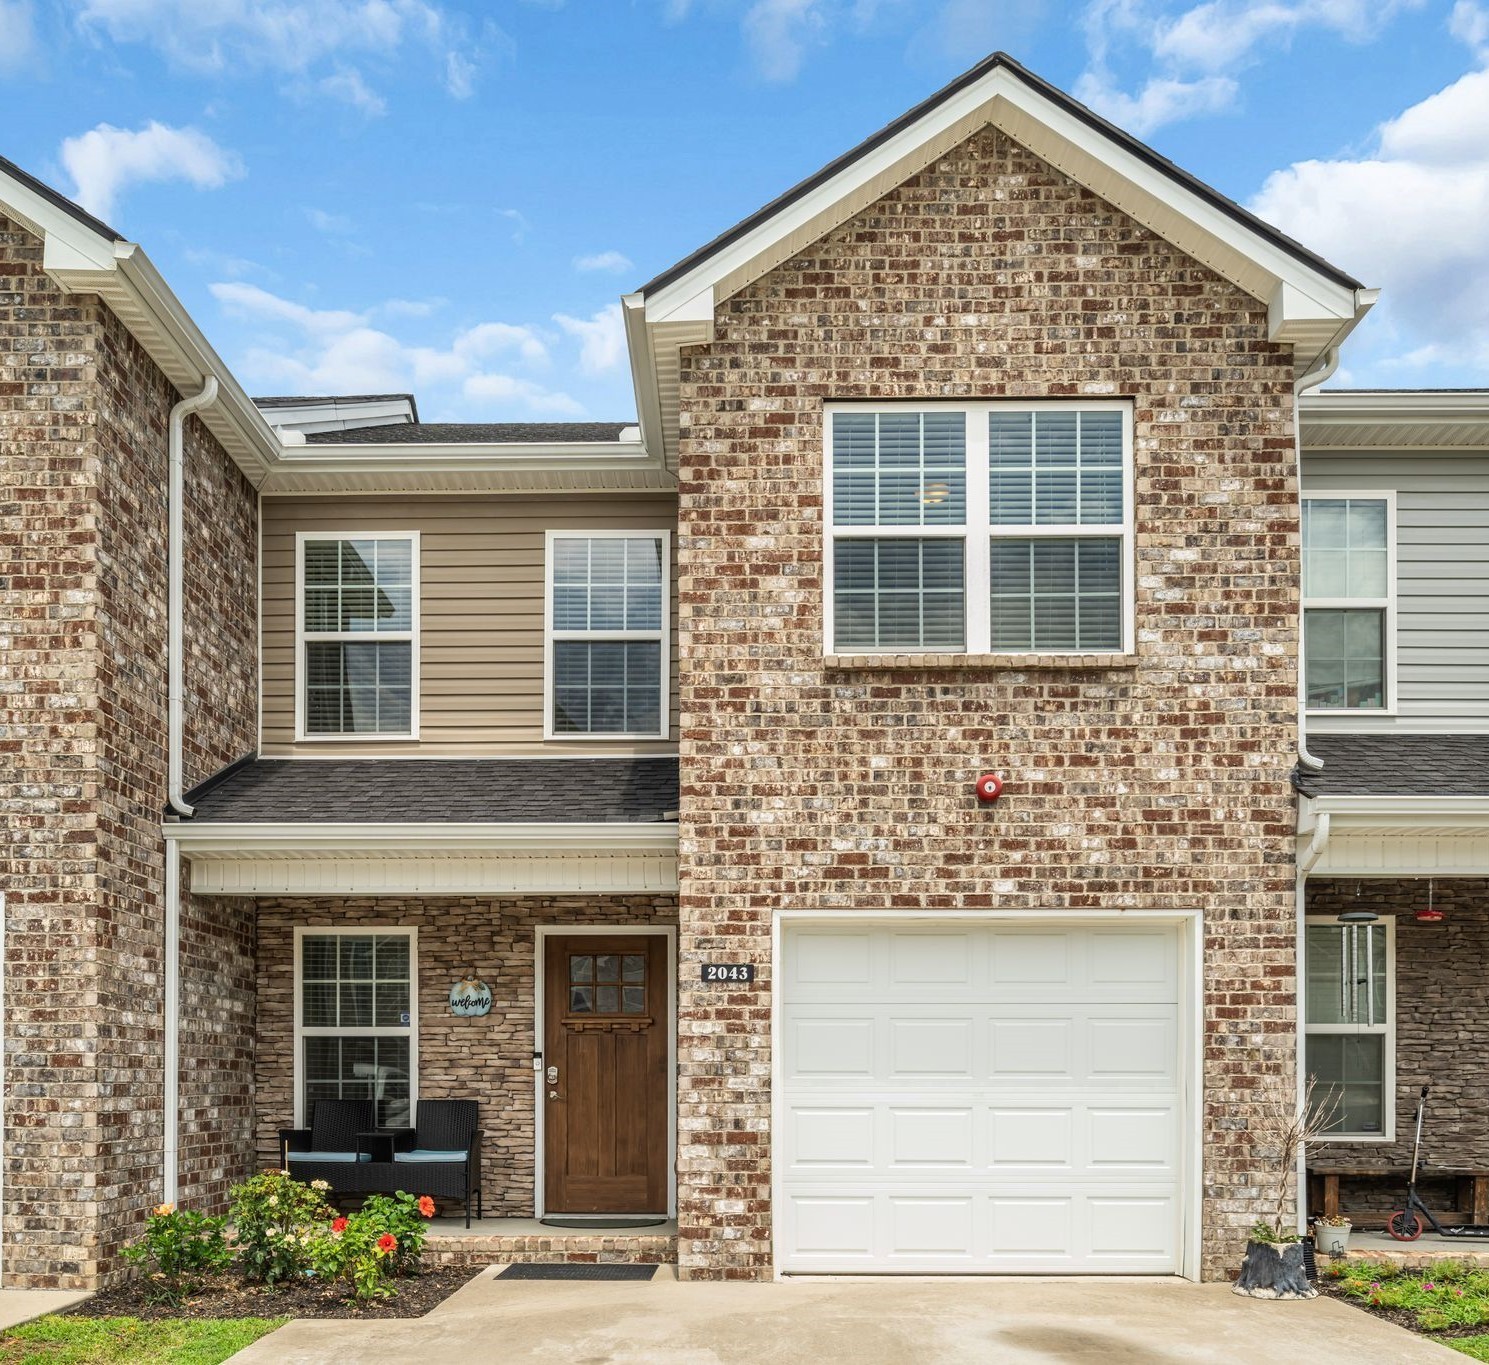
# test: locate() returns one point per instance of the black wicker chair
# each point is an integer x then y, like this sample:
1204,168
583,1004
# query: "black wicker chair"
329,1149
442,1155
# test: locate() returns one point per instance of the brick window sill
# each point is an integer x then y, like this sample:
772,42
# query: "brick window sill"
988,661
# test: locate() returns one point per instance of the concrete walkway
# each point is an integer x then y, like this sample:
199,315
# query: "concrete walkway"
21,1305
880,1322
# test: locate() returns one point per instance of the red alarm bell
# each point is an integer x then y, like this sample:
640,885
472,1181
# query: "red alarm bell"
989,788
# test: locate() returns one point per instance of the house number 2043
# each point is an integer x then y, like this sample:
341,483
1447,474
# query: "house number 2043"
728,971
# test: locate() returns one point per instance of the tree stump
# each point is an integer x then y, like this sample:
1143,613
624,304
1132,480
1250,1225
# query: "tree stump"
1274,1271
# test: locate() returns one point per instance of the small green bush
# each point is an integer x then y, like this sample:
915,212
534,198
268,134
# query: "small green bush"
275,1217
178,1250
367,1249
1450,1296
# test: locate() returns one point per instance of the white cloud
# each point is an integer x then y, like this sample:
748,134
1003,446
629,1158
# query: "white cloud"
332,224
1197,53
333,350
294,37
777,33
460,76
348,87
1407,216
105,161
1469,24
18,44
602,338
1161,100
612,261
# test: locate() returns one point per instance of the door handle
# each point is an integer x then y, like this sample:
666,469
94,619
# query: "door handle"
553,1094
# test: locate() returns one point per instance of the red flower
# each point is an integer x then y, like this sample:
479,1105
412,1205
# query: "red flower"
426,1206
338,1225
387,1243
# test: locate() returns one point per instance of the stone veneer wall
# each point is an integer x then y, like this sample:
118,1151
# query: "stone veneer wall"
487,1058
1442,1024
1160,782
83,415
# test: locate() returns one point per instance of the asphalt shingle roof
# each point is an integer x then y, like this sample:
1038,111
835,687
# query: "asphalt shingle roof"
1397,765
428,433
458,790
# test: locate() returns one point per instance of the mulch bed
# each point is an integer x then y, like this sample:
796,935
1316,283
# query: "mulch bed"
1402,1317
231,1296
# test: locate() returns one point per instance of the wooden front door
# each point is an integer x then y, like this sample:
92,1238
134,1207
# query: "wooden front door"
605,1074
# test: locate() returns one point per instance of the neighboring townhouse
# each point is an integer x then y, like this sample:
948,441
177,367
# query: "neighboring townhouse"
976,453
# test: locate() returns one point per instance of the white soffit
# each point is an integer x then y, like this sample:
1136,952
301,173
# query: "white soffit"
1395,420
1386,836
1307,307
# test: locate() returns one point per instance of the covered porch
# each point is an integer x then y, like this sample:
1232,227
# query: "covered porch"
527,965
1394,851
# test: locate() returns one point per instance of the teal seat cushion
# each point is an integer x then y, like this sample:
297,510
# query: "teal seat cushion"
426,1154
328,1156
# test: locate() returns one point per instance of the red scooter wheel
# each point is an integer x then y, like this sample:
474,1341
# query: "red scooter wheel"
1404,1226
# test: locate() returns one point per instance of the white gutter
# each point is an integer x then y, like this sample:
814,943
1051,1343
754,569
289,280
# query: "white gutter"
175,626
172,1058
1316,846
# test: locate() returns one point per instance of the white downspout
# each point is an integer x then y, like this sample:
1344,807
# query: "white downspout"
175,625
1311,380
175,766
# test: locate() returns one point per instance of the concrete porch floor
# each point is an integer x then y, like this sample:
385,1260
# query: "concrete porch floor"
888,1321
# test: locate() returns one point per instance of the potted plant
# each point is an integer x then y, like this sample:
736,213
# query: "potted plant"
1274,1266
1331,1234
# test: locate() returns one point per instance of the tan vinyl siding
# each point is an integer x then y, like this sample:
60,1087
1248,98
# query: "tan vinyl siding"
480,612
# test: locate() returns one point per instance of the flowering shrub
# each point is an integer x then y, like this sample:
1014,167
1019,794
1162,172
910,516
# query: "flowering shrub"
384,1238
177,1251
1451,1297
275,1217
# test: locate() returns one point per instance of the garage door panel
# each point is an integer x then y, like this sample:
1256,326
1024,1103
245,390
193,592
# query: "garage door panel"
942,1048
992,1098
942,1137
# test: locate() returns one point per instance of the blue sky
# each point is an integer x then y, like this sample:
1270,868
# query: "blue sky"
360,195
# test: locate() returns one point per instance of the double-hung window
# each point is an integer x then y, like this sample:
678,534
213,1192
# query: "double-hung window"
1349,1012
1349,576
357,647
987,528
356,1008
608,610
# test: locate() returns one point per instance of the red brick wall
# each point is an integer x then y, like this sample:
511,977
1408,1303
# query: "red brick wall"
487,1058
1162,783
83,464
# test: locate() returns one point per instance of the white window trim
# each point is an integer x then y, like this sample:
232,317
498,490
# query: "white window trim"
1386,1030
977,535
411,1032
411,636
662,636
1387,604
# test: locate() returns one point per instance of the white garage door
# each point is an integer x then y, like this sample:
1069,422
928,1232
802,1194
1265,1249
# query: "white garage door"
976,1098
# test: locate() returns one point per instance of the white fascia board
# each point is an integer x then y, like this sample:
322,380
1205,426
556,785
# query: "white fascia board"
1400,811
693,294
643,370
1457,409
413,838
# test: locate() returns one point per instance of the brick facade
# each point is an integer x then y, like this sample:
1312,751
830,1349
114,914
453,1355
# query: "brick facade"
1159,783
488,1058
83,415
1442,1029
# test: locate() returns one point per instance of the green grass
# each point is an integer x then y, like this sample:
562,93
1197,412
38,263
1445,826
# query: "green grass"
1475,1348
55,1340
1450,1296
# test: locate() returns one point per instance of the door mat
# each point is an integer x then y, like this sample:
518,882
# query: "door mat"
602,1224
585,1270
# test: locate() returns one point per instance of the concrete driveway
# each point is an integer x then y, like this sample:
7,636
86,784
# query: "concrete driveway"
880,1322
